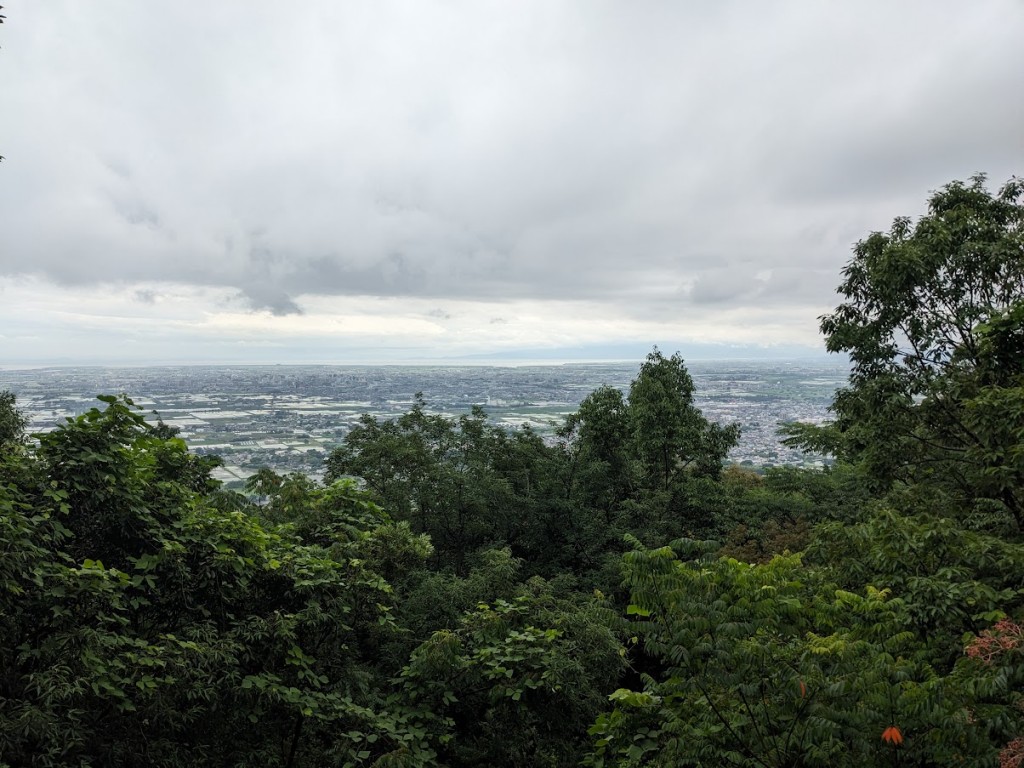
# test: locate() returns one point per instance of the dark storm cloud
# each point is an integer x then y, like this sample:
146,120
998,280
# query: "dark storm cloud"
644,155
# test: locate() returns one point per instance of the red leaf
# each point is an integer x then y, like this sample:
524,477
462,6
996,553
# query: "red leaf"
892,735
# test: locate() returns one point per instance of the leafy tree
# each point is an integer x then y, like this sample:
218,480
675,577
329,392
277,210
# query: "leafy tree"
597,441
517,680
931,320
142,625
993,668
263,484
767,665
769,514
467,484
949,579
12,421
436,600
646,466
669,433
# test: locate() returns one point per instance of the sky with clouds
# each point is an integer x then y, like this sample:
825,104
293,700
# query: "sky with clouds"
456,180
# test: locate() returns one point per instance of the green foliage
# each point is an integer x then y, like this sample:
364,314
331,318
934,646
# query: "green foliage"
950,579
767,665
141,624
931,321
472,486
463,482
669,433
12,421
993,672
775,513
596,439
517,681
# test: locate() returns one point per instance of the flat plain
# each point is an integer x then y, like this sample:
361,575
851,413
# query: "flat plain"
289,417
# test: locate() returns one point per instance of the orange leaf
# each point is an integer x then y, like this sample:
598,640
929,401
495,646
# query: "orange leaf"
892,735
803,690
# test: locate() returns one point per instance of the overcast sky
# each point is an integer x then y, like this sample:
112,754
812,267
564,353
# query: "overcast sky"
399,181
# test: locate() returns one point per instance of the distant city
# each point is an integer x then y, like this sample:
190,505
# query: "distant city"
290,417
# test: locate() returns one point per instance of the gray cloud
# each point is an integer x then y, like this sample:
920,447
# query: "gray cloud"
723,286
266,295
644,155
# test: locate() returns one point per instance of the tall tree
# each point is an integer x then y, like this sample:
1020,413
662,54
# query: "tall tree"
932,321
669,433
597,442
12,421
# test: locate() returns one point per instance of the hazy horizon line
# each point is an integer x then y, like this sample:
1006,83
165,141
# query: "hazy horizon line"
425,363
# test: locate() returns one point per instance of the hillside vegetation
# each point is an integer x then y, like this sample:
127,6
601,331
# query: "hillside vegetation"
458,594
